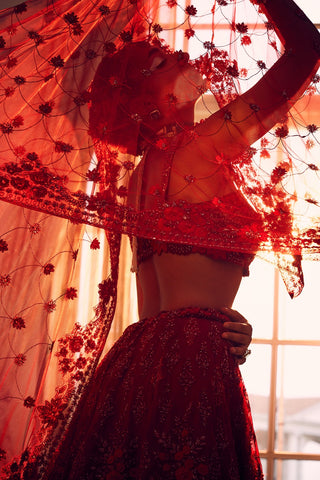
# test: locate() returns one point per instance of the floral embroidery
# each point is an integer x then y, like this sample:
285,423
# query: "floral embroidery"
189,32
71,293
18,323
50,306
48,268
20,359
191,10
29,402
3,246
5,280
95,244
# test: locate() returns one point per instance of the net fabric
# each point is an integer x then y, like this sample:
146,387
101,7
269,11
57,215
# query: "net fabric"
58,59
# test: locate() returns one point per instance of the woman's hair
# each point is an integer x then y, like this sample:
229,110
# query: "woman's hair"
118,97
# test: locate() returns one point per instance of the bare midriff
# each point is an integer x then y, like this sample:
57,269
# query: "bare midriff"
168,282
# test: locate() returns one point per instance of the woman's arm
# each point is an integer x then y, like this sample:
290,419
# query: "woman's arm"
246,119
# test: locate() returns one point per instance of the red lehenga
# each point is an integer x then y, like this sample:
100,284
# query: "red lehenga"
149,409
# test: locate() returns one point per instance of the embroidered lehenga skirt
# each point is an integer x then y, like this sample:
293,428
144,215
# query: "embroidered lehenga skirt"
167,402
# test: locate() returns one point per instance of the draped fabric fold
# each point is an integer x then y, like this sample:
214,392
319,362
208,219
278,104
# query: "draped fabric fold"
74,151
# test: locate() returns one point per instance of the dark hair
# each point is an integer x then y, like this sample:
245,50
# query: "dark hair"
116,109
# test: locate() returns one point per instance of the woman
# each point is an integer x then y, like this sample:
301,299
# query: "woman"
168,400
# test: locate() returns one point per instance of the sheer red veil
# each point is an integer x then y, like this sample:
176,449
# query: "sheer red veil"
74,126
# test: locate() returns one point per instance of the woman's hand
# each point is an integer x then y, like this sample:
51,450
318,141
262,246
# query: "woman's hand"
239,333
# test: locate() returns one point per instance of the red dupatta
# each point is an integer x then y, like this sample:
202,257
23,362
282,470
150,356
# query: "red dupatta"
58,173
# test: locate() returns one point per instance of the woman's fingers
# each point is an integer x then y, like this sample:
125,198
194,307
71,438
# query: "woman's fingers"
238,332
237,339
233,315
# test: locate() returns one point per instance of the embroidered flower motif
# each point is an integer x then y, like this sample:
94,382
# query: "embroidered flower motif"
19,151
20,359
82,99
254,107
209,45
62,147
93,175
19,183
312,128
278,173
48,268
38,39
73,21
314,167
264,153
233,69
261,65
126,36
29,402
191,10
9,91
6,128
162,143
5,280
46,108
13,168
19,80
18,323
104,9
81,362
172,99
18,121
71,293
91,54
50,306
309,144
128,165
90,345
109,48
189,32
3,245
316,78
105,289
157,28
75,343
34,229
95,244
171,3
246,40
282,131
51,412
57,62
12,62
241,27
189,178
71,18
75,254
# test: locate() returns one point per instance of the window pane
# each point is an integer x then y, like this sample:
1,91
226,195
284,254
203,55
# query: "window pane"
255,298
298,400
312,9
297,470
299,318
258,387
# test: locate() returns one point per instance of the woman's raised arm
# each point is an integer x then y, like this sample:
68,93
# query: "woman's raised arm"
250,116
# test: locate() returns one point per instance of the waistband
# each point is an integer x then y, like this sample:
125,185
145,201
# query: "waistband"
195,312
